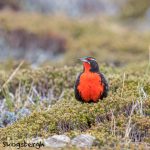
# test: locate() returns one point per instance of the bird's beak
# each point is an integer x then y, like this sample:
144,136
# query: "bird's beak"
83,60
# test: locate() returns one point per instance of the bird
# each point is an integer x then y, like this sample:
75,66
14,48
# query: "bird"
90,85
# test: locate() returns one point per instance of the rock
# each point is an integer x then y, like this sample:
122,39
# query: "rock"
83,140
57,141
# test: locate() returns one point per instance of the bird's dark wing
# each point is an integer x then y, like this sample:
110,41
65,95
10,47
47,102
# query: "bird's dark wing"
77,94
106,87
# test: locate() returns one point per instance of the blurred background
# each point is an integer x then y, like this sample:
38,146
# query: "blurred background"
116,32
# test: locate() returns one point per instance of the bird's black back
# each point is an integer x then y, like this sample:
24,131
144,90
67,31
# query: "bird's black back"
76,91
106,87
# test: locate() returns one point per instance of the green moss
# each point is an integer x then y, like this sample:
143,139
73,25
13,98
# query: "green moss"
72,117
135,8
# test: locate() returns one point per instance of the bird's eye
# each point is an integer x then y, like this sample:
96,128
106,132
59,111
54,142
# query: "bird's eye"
91,59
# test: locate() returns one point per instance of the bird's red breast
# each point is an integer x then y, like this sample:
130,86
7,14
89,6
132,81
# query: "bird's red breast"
90,86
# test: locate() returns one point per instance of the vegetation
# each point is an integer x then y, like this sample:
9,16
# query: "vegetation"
122,116
122,120
113,43
135,9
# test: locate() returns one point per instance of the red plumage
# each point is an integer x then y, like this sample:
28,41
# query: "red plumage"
90,85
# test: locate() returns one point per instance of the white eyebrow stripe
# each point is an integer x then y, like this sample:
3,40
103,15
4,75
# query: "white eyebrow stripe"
93,59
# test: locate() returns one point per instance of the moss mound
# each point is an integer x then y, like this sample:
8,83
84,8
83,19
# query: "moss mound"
127,106
135,9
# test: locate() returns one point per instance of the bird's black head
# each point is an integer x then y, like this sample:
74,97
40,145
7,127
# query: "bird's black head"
90,64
